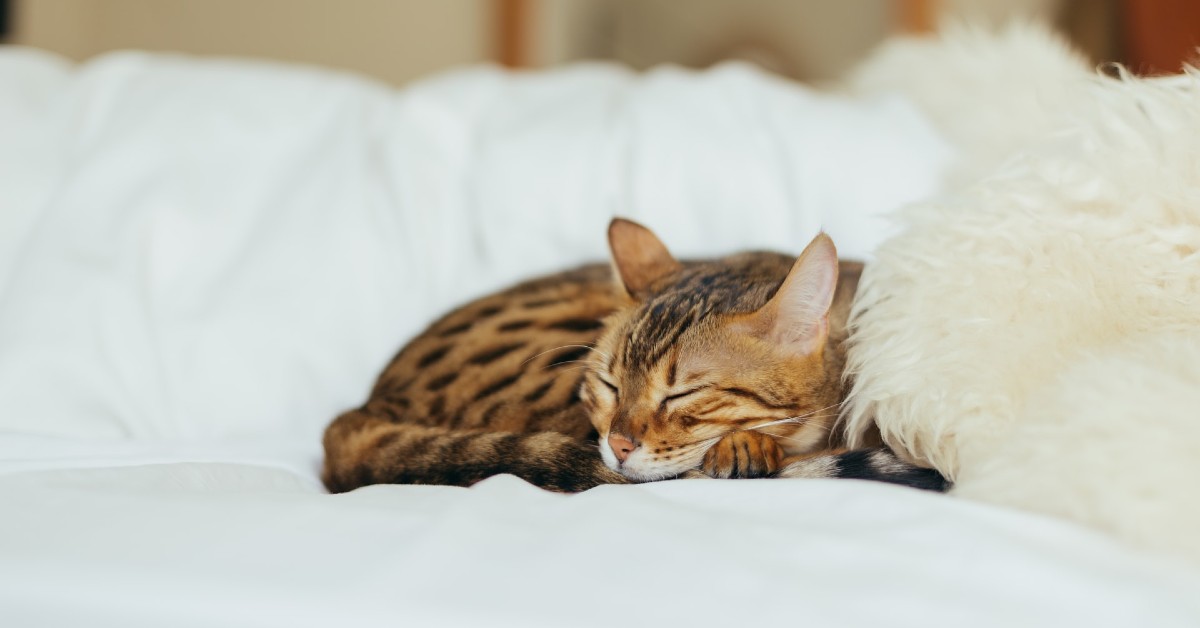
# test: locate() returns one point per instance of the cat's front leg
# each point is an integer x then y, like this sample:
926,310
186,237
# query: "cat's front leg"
745,454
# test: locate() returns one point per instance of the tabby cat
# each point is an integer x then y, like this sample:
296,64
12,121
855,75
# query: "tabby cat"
730,368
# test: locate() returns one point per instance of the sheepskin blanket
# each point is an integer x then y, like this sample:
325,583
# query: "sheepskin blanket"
1035,334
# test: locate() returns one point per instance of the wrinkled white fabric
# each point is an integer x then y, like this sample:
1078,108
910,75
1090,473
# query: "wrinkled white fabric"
225,545
205,249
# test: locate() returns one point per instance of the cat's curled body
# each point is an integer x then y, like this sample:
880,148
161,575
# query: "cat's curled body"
730,367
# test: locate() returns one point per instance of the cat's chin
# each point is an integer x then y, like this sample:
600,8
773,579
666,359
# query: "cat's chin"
650,475
641,471
637,469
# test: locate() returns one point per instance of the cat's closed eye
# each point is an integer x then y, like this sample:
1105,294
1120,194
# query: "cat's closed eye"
681,395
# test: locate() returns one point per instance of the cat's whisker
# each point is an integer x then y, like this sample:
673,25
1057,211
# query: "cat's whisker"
574,368
602,354
787,438
551,350
558,364
795,420
780,436
778,422
697,444
756,428
801,416
753,428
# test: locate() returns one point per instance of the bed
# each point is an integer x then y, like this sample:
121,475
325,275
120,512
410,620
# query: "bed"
202,261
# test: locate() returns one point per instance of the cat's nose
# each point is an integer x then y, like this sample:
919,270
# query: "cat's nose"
621,446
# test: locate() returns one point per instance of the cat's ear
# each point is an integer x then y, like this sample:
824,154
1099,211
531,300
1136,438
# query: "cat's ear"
796,319
639,256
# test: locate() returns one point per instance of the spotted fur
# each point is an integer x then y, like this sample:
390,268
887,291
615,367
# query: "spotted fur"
729,368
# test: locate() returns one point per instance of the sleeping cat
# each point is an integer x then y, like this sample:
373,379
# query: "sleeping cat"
644,370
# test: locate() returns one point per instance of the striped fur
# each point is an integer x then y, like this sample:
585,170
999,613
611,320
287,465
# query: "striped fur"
702,365
878,464
490,388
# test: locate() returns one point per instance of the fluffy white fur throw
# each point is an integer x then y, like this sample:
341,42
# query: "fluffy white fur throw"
1036,335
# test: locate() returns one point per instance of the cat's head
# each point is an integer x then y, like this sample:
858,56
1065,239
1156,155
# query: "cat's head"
705,349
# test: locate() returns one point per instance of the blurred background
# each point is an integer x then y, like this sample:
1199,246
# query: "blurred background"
399,40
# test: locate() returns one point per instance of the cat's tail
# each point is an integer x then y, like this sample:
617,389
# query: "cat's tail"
362,448
879,465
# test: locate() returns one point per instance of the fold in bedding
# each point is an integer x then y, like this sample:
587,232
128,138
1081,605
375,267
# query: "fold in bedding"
234,545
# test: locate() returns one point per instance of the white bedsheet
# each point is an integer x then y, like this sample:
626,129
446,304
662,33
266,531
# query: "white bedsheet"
223,545
202,261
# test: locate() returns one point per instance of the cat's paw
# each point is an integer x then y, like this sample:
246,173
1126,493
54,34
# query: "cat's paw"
743,455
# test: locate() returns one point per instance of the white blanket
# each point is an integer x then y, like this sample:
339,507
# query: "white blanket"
201,262
221,545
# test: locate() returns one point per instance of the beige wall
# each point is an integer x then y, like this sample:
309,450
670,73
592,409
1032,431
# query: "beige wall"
398,40
806,39
1000,11
809,39
395,40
